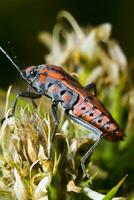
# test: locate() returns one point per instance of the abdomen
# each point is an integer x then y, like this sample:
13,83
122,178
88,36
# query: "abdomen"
93,112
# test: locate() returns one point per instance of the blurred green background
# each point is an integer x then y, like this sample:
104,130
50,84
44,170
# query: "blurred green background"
21,21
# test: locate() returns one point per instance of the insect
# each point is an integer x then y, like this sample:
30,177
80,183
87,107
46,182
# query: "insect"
79,104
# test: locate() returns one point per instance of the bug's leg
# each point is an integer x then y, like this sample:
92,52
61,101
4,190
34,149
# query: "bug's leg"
56,122
25,95
88,154
29,95
33,102
91,128
91,86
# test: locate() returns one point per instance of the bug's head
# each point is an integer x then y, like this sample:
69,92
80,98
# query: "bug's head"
30,73
32,76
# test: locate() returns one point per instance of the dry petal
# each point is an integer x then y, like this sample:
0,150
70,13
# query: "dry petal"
19,187
71,187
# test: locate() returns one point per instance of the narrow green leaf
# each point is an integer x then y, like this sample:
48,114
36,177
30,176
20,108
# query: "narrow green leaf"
114,190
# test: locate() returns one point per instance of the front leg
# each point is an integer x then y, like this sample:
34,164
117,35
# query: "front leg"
30,95
29,89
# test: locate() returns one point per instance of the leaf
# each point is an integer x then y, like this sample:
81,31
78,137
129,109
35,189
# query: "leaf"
114,190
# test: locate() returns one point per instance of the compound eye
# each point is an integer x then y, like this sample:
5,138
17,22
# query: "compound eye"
33,73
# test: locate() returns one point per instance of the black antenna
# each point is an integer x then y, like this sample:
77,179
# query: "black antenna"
10,59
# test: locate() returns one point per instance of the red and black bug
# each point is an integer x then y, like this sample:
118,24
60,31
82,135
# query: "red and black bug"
79,104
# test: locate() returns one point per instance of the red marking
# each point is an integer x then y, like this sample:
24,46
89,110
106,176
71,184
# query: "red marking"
103,120
81,107
66,97
88,117
42,76
42,79
53,89
112,127
43,70
55,75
